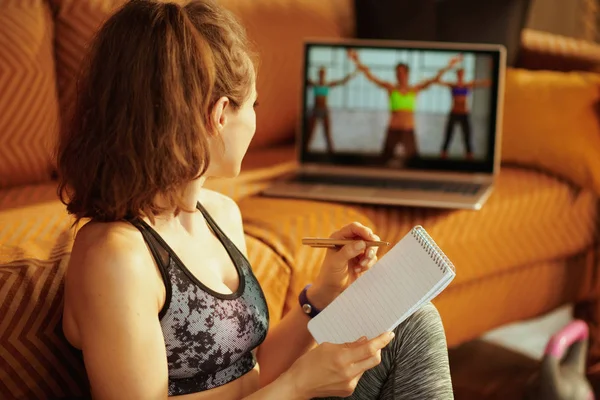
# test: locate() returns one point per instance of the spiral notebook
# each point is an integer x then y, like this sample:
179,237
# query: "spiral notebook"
408,276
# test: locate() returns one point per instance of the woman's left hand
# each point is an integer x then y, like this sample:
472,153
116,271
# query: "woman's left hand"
342,266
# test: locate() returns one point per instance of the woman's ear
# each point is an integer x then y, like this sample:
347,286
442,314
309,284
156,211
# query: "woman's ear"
218,115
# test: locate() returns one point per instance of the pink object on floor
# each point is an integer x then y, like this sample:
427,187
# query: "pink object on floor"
559,343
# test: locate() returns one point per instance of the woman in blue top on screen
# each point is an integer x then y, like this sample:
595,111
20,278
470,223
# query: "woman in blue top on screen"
402,103
159,295
320,110
460,111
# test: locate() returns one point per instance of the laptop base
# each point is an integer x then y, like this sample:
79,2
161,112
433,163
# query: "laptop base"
379,196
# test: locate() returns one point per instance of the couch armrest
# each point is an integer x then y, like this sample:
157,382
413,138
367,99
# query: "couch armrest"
543,50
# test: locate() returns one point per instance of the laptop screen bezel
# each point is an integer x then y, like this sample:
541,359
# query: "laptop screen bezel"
436,165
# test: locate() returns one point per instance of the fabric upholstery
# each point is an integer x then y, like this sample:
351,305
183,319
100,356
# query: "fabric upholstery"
26,195
28,104
530,216
40,231
552,121
544,50
37,361
272,273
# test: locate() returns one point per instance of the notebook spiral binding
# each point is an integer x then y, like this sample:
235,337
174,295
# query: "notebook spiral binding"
432,249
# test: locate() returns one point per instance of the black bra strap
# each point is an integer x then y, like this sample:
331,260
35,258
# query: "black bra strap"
162,261
161,257
215,228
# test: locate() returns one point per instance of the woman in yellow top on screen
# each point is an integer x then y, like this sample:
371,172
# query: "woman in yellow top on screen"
321,109
460,110
403,97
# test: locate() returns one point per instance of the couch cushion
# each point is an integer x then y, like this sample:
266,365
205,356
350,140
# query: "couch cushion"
530,216
28,103
37,231
272,273
23,196
552,121
37,360
77,20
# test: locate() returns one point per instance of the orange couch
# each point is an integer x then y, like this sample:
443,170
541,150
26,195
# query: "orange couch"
532,248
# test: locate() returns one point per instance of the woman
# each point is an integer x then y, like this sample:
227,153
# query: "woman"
159,294
321,110
403,99
460,111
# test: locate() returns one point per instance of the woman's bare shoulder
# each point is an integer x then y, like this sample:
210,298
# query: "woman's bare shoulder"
218,204
109,251
110,271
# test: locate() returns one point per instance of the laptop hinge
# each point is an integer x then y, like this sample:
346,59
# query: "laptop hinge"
312,169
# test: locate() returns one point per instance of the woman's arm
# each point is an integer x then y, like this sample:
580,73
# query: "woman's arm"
285,343
110,293
365,70
353,55
344,80
428,82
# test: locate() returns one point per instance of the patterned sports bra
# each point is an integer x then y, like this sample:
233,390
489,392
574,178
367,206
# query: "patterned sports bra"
209,336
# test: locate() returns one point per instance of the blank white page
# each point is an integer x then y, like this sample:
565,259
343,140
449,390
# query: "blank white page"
405,278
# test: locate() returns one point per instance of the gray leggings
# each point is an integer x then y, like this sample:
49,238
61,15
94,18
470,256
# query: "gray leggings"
413,366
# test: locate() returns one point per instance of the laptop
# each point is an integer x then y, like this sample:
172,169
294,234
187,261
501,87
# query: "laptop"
398,123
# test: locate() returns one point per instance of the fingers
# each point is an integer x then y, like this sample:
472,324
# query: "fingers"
350,251
368,259
365,350
354,230
366,262
356,343
366,364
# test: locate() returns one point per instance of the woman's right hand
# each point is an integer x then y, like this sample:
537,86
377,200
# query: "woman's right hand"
334,369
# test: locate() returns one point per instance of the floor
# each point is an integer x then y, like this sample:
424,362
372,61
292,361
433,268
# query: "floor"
530,337
505,363
363,131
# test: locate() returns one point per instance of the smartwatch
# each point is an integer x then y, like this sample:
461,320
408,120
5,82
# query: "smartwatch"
306,305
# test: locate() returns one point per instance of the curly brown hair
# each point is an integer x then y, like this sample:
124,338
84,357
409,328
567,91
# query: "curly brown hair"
141,125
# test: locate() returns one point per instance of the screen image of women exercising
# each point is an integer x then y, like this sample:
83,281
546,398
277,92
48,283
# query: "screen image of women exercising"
397,105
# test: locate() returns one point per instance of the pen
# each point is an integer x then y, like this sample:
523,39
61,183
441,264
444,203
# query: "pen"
332,243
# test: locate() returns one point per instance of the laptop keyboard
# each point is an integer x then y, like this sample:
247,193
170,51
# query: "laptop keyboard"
389,183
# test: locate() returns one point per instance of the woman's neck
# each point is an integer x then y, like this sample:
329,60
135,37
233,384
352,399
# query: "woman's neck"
184,219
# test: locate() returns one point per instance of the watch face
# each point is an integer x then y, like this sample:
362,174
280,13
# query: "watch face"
307,308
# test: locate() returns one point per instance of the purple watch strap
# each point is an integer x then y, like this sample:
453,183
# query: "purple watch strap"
306,305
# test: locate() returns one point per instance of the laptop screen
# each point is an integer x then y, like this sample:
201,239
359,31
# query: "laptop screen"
419,106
